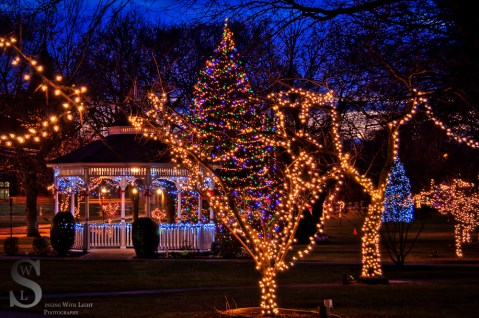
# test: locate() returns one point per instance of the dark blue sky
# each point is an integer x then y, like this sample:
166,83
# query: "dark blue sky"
164,11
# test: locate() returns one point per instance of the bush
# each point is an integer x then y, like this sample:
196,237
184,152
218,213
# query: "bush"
10,246
145,237
62,232
41,245
226,246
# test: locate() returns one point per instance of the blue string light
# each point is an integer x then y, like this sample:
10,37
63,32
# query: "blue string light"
398,203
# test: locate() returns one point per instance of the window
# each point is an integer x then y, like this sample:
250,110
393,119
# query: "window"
4,189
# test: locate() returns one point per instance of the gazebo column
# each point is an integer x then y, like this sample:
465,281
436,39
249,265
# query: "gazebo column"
212,216
123,185
147,193
86,227
178,189
55,189
72,200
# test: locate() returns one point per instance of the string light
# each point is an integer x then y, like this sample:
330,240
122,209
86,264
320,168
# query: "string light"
468,141
69,94
458,199
311,104
227,141
398,202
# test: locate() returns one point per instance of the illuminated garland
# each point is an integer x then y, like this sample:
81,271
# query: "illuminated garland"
458,199
468,141
69,185
102,184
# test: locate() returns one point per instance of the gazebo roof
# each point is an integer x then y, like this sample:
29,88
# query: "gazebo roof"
124,152
121,147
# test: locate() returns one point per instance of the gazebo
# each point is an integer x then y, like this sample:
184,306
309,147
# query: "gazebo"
123,161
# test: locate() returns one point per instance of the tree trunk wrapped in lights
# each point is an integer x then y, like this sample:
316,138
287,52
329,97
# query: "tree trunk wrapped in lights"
371,256
458,199
314,108
43,119
230,144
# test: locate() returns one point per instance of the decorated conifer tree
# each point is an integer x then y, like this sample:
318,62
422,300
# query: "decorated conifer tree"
398,203
398,215
230,145
227,119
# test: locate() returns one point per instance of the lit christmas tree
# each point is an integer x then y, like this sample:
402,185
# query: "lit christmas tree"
398,203
226,116
229,143
229,123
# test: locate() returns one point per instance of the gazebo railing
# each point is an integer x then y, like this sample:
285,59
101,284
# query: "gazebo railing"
79,238
185,236
105,235
172,236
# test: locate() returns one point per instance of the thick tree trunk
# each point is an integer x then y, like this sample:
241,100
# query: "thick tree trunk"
31,203
461,235
267,286
371,262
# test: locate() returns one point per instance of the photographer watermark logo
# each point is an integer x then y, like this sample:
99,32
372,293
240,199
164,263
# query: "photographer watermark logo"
20,271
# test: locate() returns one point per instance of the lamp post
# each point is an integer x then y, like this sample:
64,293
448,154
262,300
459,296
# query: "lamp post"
135,201
102,197
161,202
11,216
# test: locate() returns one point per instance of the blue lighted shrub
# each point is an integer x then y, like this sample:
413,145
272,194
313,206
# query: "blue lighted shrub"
226,246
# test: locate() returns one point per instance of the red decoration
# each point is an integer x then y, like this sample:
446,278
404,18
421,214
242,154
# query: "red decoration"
310,208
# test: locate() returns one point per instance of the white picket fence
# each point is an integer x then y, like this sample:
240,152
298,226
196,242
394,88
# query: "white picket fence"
172,236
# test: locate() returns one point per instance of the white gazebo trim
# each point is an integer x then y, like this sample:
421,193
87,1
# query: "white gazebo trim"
179,189
86,228
109,170
126,170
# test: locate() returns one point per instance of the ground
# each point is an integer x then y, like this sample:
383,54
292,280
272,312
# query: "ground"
116,284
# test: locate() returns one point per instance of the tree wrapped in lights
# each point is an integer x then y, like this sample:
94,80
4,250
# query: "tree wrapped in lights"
40,112
230,141
309,109
398,204
189,200
458,199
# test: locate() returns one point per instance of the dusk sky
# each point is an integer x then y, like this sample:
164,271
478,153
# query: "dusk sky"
165,11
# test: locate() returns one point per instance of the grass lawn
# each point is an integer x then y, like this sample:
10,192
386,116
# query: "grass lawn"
426,287
193,288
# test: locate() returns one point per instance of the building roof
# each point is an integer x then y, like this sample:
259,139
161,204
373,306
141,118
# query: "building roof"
120,149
